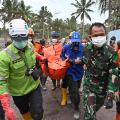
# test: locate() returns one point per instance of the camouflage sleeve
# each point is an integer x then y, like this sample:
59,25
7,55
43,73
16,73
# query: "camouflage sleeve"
86,50
113,73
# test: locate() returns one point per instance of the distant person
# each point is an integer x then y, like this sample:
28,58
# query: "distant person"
8,43
43,77
113,43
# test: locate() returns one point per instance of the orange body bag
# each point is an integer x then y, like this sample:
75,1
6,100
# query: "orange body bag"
56,67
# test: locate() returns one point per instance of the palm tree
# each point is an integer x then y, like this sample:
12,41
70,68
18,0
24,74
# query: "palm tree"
13,9
113,7
71,23
44,17
56,25
7,12
24,11
103,5
83,8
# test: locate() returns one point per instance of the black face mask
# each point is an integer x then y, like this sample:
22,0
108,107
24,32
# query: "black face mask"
75,46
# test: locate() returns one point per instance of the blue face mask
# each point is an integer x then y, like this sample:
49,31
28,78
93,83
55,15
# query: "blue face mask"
20,44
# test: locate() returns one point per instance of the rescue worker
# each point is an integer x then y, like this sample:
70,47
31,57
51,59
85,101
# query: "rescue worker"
42,42
73,53
116,47
99,77
43,77
38,45
117,98
31,35
63,41
112,41
55,40
19,75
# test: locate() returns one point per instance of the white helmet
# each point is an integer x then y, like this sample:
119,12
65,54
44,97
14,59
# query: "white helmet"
18,26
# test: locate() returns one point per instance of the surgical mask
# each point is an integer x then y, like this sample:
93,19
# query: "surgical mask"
54,40
99,41
20,44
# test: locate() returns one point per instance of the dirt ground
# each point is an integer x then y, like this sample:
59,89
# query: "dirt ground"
53,110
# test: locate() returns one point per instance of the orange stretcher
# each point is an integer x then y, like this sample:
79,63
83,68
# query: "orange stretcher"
56,68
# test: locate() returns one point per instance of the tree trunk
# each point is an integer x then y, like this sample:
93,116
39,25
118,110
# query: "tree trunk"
43,34
109,22
83,28
4,32
48,33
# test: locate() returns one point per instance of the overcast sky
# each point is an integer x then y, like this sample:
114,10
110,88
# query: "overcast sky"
63,9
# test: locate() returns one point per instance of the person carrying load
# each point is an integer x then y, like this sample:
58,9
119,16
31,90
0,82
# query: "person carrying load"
73,53
52,53
19,75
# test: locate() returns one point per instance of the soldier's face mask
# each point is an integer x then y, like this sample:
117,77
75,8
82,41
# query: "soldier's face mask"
75,45
99,41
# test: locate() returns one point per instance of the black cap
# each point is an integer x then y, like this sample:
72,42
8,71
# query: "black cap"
113,38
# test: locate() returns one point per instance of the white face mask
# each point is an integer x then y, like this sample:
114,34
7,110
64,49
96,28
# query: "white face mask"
54,40
99,41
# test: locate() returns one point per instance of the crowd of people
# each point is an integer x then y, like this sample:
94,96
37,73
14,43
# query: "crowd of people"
89,61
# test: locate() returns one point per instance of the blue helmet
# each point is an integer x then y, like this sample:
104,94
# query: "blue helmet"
75,37
55,34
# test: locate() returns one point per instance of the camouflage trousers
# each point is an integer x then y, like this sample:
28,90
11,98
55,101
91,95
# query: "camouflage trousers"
92,103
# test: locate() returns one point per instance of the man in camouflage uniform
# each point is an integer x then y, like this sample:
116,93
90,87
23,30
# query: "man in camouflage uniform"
101,65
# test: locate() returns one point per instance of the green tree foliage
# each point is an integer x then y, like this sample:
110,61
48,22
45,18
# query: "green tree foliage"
83,9
42,22
113,7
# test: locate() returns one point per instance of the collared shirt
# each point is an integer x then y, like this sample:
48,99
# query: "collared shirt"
76,70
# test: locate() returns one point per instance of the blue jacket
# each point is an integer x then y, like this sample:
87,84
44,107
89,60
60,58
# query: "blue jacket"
76,70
